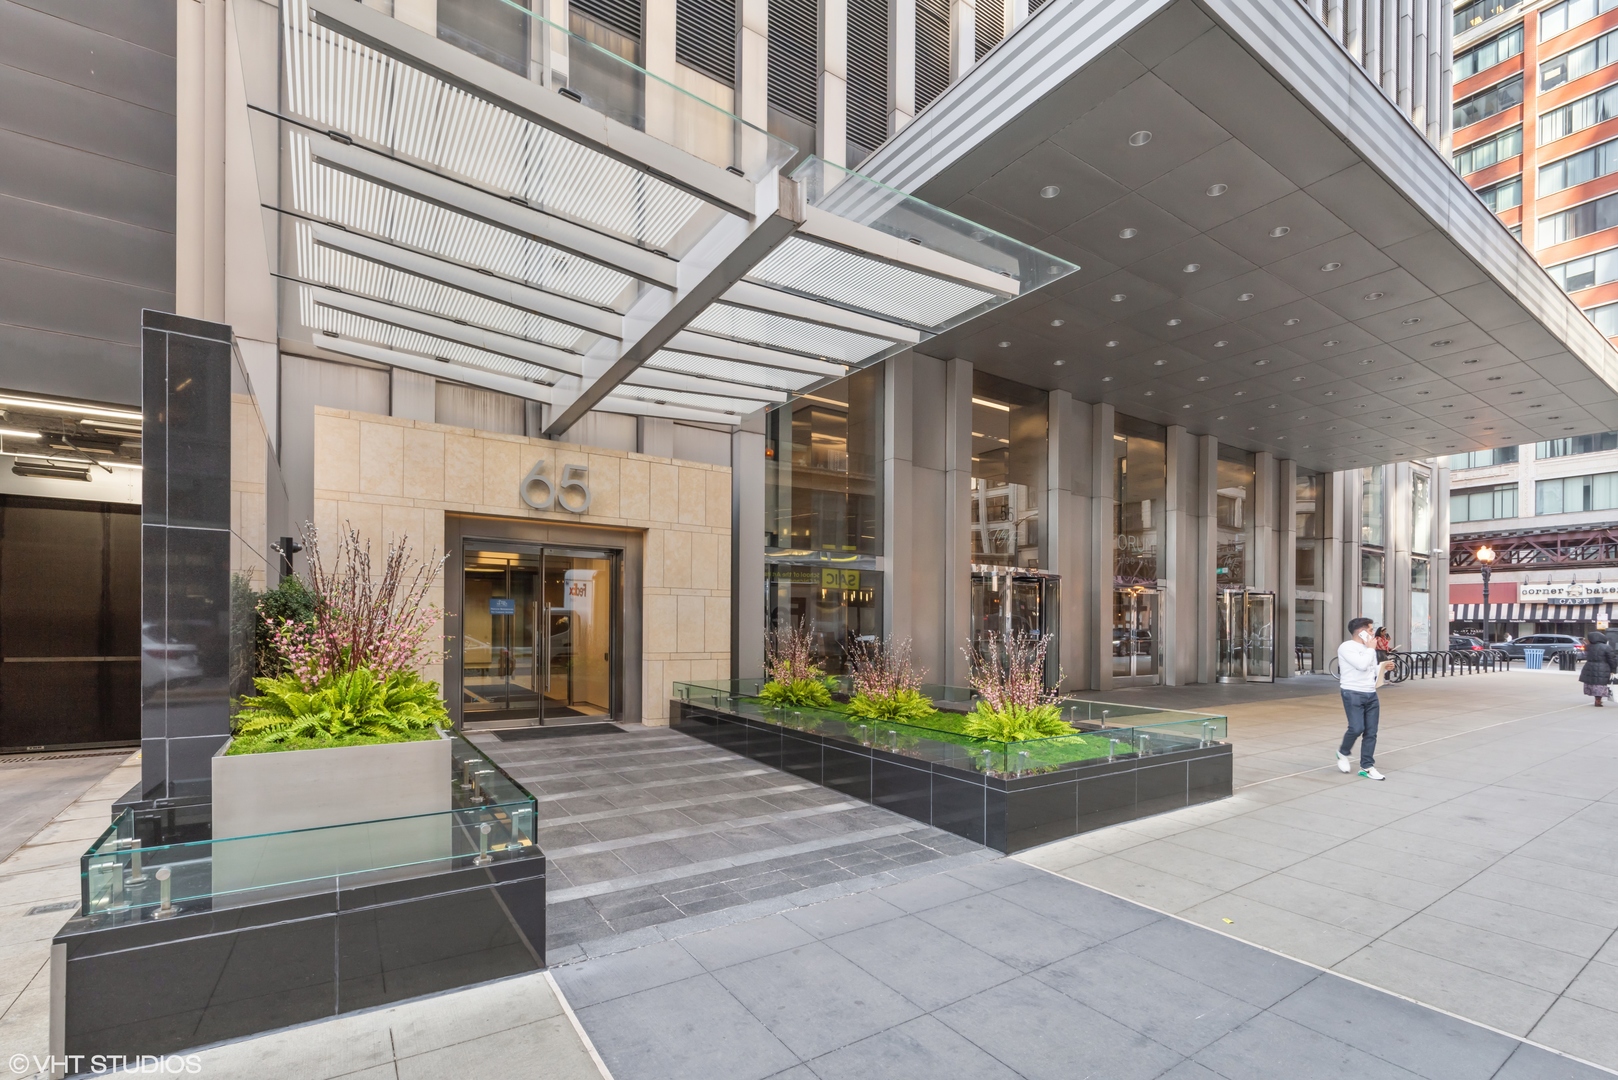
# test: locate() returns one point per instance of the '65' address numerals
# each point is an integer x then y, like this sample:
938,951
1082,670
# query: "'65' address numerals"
570,493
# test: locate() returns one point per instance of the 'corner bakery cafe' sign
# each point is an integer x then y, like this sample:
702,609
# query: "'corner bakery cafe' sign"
1567,593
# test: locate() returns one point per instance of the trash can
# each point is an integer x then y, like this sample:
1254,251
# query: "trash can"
1533,659
1565,660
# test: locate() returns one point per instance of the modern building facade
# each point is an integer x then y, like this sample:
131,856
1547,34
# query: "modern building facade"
1546,511
1141,326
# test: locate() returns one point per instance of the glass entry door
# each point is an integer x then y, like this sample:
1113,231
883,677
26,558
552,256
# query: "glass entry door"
1134,635
538,634
1246,636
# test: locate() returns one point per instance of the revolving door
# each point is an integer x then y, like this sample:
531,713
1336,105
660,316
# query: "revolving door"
1246,636
1007,601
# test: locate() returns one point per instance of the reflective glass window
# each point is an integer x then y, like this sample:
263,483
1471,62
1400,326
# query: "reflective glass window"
1009,428
1140,472
1234,515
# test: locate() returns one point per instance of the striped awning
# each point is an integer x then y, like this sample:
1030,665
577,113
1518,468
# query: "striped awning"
1532,612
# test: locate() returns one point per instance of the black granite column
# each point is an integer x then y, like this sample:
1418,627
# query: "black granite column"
185,551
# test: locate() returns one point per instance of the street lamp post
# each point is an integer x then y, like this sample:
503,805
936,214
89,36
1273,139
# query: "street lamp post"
1486,557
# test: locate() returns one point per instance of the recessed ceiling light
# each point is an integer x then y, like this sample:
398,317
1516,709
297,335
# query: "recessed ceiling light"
1331,393
1112,344
1374,295
1174,322
1149,393
1279,231
1241,393
1280,438
1412,321
1330,342
1049,191
1329,267
1128,234
1219,418
1191,268
1468,418
1423,393
1058,363
1297,378
1292,321
1567,429
1106,378
1252,427
1303,417
1367,361
1221,343
1119,298
1488,429
1185,406
1398,378
1553,418
1057,322
1159,363
1536,406
1005,344
1244,298
1446,406
1204,378
1516,393
1271,406
1261,363
1140,138
1217,190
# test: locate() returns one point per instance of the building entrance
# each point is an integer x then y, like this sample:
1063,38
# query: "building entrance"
1134,636
1246,636
539,634
1007,601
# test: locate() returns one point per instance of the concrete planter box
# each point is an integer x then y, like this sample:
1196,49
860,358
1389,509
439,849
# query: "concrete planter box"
276,798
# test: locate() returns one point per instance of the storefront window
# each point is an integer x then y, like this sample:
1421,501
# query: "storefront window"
1306,635
1235,512
1421,511
839,605
1371,512
1421,618
1373,577
822,476
1009,429
822,514
1307,509
1140,473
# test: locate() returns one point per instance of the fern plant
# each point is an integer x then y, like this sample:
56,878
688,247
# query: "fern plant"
1015,723
344,709
795,675
887,685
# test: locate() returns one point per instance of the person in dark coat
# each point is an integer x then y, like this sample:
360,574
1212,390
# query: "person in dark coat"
1596,675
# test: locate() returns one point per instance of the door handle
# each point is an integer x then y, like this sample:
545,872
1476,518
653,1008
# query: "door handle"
545,630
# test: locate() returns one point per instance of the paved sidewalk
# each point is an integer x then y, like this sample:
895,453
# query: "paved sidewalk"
1481,877
39,891
1000,970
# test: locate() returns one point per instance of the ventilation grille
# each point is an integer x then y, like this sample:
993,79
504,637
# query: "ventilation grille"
868,73
932,50
1035,5
795,58
989,22
623,16
705,33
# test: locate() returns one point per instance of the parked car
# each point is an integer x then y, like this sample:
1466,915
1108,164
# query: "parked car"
1465,643
1551,643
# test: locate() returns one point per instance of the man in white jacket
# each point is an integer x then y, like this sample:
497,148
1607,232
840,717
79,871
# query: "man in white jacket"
1357,671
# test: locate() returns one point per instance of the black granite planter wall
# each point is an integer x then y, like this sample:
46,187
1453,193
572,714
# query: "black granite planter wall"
1007,814
160,987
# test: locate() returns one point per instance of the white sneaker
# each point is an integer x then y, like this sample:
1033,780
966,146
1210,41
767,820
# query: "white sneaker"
1372,774
1345,763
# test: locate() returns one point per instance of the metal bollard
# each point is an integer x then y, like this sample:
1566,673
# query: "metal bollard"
484,858
165,905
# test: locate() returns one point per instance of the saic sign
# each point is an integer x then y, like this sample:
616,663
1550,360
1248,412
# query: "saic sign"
538,491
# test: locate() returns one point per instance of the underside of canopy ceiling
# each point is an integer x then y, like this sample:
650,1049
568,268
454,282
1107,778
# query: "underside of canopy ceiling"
1271,252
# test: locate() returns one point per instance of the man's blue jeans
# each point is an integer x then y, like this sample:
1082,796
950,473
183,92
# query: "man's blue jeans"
1363,712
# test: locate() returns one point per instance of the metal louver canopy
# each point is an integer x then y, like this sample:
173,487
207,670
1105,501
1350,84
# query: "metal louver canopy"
441,214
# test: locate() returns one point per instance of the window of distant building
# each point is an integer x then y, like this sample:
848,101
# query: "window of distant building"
1578,444
1575,494
1479,12
1578,168
1588,111
1486,152
1559,18
1486,103
1577,221
1502,196
1503,46
1586,272
1482,459
1483,504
